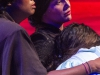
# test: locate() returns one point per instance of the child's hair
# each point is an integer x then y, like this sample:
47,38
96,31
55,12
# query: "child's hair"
74,37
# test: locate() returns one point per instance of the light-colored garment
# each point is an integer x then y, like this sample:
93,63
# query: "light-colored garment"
82,56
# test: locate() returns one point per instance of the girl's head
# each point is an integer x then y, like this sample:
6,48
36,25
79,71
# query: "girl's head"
76,36
54,12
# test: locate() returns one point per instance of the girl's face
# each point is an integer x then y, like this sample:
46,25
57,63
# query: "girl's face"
26,6
58,12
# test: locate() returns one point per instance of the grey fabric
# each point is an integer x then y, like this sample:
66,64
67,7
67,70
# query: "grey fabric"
17,53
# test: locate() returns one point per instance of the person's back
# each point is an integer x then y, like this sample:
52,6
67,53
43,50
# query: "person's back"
17,53
8,33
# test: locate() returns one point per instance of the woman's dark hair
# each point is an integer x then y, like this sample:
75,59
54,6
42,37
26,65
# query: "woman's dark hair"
4,3
41,7
74,37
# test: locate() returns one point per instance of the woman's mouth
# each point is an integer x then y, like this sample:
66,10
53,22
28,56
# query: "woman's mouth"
33,6
67,13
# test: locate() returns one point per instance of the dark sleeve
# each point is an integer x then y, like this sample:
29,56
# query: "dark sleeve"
44,47
19,57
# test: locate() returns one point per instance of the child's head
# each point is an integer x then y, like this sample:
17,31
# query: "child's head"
76,36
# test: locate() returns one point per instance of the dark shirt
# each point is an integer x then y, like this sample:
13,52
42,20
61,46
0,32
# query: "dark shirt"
44,41
17,54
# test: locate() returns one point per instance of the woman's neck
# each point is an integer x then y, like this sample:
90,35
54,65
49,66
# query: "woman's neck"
17,16
59,26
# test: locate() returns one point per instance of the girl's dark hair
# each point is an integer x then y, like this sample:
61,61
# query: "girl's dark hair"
41,7
74,37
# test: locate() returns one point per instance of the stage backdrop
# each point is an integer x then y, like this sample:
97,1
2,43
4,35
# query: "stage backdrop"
83,11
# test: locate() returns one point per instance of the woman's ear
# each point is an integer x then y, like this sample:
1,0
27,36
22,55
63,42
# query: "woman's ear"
9,4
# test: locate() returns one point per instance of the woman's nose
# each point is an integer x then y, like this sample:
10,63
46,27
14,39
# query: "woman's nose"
66,6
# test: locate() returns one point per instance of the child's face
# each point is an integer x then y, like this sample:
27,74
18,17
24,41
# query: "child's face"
58,11
26,6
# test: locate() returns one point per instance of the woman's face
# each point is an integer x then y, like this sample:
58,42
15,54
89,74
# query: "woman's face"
26,6
58,12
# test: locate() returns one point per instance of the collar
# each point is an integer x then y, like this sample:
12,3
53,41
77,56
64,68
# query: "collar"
95,50
5,15
49,27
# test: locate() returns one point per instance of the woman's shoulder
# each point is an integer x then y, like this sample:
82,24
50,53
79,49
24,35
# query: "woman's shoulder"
39,35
